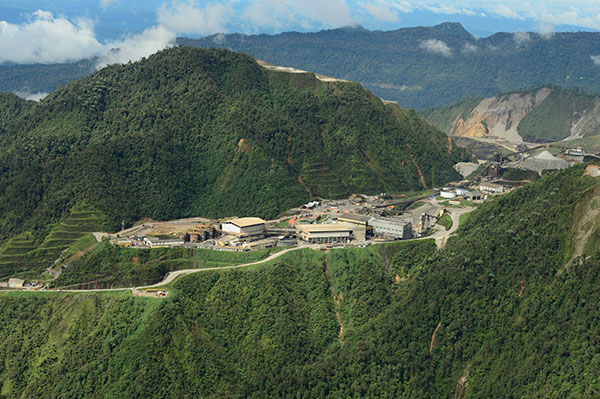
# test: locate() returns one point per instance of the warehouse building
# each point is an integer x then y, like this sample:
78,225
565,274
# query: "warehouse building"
16,283
156,242
491,188
391,228
361,220
244,227
325,233
448,193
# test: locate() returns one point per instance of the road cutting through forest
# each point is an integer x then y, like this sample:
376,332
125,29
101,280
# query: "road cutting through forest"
440,237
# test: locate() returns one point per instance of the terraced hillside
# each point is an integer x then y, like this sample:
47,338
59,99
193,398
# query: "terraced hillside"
25,256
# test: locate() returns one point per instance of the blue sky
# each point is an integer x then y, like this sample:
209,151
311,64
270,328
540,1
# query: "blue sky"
60,30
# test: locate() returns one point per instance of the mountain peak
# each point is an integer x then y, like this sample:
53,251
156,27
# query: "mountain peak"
454,28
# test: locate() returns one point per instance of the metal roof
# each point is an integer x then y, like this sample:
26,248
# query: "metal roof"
402,222
246,222
323,228
354,218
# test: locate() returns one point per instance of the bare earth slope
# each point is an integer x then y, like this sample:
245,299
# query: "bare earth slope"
541,115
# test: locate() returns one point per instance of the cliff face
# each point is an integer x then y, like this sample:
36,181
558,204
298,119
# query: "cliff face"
499,116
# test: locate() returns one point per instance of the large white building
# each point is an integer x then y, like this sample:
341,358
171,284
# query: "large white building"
391,228
244,226
491,188
323,233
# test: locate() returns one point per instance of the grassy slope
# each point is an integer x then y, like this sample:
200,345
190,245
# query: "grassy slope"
507,311
108,266
27,256
552,119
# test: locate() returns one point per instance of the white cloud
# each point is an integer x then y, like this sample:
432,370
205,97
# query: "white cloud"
403,6
595,59
507,12
27,95
266,14
107,3
138,46
187,18
521,38
380,11
470,48
219,38
46,39
546,30
328,13
447,9
436,46
309,14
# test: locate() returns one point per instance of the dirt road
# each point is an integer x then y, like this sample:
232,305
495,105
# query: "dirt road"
441,236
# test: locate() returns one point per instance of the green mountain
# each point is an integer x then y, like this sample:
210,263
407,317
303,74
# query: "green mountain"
427,67
545,114
192,132
42,78
421,67
507,309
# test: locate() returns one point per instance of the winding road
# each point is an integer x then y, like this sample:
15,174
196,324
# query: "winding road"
440,237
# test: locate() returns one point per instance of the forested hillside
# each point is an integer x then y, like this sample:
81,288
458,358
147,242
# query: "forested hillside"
426,67
421,67
192,132
507,309
42,78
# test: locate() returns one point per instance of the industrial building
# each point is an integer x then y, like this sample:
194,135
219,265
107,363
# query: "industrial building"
15,283
361,220
155,242
244,227
425,217
448,193
473,195
491,188
391,228
462,191
325,233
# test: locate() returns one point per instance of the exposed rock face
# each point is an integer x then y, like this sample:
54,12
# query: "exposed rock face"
586,122
499,116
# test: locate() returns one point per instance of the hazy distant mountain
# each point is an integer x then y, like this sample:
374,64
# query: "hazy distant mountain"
430,66
420,67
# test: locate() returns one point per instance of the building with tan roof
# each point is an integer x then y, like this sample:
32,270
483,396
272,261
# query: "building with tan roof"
325,233
248,226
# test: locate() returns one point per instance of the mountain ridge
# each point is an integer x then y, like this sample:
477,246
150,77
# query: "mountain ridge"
419,67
